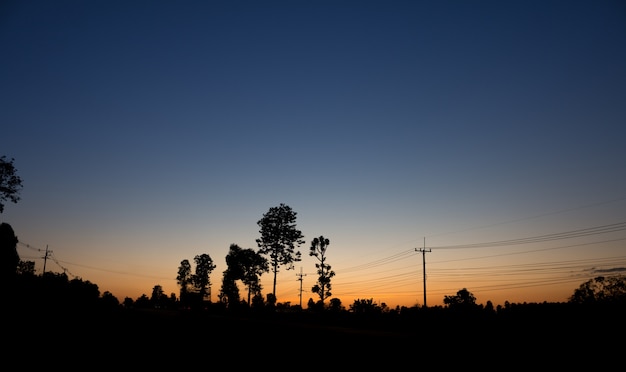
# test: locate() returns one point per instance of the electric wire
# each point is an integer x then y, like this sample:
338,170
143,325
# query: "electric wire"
361,279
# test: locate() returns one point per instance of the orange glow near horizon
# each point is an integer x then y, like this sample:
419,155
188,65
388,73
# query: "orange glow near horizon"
400,286
492,136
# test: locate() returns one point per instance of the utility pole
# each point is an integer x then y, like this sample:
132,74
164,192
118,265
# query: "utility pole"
45,259
300,279
423,250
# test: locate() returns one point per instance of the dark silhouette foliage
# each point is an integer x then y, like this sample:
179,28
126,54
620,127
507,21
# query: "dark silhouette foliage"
10,182
202,277
247,266
318,250
463,299
184,278
195,287
9,258
279,239
601,289
83,322
229,293
367,306
335,305
26,268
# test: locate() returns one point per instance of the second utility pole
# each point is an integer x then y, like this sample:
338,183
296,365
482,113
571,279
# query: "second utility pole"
300,279
45,259
423,250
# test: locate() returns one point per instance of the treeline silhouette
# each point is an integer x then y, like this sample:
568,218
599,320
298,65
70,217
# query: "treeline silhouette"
74,313
51,314
52,321
56,293
74,319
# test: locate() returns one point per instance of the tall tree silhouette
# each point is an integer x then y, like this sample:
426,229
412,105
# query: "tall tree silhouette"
279,239
10,182
184,278
201,279
318,250
229,293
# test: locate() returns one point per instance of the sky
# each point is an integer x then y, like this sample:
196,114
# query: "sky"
482,141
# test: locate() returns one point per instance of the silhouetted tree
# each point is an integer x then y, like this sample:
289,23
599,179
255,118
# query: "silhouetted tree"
257,301
184,279
279,239
271,301
489,307
109,301
82,293
201,279
159,299
142,302
9,258
463,299
601,289
253,266
129,303
26,268
248,266
157,293
323,286
10,182
365,306
335,304
229,293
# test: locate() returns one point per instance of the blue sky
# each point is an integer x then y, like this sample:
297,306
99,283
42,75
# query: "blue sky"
148,132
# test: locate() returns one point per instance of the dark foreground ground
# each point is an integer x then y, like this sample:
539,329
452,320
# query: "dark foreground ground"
161,340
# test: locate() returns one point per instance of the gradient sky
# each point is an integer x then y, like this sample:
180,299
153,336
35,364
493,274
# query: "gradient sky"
493,133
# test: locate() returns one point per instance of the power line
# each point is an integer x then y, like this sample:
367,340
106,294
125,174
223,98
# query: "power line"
557,236
65,270
60,262
622,198
604,229
534,250
406,277
383,261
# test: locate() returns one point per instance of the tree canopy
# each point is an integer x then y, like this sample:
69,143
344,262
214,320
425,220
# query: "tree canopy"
601,289
279,239
245,265
318,250
184,277
10,182
462,299
202,277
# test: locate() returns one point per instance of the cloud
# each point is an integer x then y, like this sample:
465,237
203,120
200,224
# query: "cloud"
612,270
